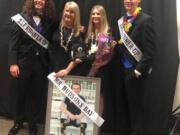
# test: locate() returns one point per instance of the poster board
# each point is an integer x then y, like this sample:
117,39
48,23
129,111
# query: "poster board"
90,91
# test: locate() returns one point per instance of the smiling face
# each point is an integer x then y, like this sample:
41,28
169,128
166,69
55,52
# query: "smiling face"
96,17
69,16
39,6
76,88
97,21
131,5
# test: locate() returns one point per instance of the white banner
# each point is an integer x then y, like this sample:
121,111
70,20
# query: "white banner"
21,22
129,44
83,106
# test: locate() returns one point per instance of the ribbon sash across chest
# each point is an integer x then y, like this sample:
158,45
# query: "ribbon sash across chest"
27,28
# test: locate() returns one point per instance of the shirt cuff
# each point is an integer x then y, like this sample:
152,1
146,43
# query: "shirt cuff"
137,73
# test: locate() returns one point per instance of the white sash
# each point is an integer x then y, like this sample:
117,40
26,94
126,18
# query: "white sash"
129,44
66,90
30,31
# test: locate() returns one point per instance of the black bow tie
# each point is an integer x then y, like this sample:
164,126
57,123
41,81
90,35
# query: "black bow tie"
128,17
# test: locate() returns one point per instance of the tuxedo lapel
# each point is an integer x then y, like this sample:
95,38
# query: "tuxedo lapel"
28,19
45,27
134,31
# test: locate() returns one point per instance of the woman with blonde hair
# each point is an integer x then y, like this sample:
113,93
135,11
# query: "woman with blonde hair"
97,22
73,20
99,40
64,40
98,28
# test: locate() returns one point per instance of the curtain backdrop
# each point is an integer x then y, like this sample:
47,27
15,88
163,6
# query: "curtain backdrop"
161,85
177,94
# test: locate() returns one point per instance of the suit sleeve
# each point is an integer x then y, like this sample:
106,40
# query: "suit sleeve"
148,46
13,45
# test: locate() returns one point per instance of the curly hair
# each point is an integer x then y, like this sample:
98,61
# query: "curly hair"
49,9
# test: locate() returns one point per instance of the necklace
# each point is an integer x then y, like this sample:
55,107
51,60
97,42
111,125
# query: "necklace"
128,23
93,46
93,40
62,44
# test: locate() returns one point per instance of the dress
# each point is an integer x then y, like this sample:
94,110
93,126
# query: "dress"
60,57
105,73
100,54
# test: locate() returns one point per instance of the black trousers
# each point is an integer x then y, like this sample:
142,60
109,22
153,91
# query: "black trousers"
128,103
32,93
65,123
106,92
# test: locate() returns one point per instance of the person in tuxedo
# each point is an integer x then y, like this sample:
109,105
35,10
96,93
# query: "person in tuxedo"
65,39
133,59
29,61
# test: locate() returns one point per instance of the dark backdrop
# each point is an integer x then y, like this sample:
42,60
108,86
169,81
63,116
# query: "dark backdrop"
161,85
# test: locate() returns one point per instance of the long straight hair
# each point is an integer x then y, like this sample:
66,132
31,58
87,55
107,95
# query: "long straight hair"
104,22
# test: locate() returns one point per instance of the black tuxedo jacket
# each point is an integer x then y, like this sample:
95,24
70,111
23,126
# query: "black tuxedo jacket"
22,48
143,35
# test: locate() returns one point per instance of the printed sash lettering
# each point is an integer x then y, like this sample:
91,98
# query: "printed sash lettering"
82,105
129,44
23,24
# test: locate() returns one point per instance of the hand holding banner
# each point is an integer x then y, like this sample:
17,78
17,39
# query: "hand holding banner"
83,106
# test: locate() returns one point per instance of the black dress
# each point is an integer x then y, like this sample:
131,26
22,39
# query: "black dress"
60,58
105,73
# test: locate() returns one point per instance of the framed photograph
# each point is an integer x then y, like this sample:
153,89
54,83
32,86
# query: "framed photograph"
61,119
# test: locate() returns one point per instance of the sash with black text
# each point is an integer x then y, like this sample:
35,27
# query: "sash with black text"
129,44
23,24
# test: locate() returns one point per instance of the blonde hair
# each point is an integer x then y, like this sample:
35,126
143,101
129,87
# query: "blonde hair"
104,22
77,24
